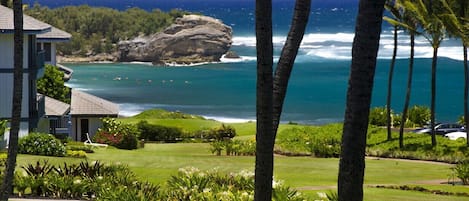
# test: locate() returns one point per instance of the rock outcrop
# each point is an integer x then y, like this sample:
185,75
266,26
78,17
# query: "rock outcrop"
192,39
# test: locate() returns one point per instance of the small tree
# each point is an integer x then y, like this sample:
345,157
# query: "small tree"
419,115
52,84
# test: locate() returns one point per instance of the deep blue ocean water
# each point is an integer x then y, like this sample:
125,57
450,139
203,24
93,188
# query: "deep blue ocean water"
226,90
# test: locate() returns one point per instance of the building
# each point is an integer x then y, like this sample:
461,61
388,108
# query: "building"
33,68
48,43
86,113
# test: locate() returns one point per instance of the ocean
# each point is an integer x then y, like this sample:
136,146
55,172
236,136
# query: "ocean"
225,90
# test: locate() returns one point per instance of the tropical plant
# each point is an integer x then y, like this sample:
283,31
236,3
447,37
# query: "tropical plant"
3,127
364,54
428,15
461,170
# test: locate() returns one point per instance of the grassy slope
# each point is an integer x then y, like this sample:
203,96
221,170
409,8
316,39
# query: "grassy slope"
156,162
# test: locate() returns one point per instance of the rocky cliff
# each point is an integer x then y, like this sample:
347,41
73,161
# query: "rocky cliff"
191,39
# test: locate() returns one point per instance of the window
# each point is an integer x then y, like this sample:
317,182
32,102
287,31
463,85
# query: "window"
48,52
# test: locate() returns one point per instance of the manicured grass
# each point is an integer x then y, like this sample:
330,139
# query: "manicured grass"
157,162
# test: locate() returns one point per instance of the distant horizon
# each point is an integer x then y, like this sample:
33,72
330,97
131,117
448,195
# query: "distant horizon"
183,4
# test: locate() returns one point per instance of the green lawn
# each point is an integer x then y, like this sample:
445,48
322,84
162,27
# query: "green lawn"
156,162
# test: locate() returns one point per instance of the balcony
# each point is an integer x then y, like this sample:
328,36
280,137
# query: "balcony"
39,66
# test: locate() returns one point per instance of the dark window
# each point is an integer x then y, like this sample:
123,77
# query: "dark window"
39,46
48,51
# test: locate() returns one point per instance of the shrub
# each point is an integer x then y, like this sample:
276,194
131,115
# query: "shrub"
117,134
378,116
41,144
461,170
151,132
419,115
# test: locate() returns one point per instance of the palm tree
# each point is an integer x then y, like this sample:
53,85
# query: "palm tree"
271,91
456,26
392,7
364,53
407,21
17,100
264,110
427,13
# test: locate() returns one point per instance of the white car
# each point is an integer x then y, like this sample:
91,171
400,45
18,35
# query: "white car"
456,135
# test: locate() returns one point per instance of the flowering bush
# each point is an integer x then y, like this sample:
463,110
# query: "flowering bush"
41,144
117,134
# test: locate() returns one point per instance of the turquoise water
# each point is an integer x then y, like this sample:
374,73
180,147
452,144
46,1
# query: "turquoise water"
226,90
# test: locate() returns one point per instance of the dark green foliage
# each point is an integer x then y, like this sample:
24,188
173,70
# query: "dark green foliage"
378,116
52,84
98,28
222,133
117,134
151,132
41,144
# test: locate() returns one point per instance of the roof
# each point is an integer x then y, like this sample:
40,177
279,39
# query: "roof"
54,35
55,107
85,104
30,25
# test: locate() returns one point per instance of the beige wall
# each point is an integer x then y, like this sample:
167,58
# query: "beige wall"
94,124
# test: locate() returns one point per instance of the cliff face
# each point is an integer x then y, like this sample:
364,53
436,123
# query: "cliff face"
191,39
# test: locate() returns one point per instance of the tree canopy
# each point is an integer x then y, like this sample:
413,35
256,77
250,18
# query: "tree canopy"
52,84
98,29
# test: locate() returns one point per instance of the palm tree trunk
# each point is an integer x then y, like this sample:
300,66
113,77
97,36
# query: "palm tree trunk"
433,96
287,57
408,92
364,53
17,100
390,76
264,110
466,93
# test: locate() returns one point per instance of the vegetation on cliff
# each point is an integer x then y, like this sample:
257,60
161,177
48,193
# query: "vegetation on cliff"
98,29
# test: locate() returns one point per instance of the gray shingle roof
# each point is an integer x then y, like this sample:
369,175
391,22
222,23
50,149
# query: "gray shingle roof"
54,35
30,25
55,107
87,104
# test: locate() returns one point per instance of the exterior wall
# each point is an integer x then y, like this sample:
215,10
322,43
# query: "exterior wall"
93,125
6,81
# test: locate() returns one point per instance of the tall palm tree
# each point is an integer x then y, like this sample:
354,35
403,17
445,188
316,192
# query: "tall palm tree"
407,21
17,100
392,7
264,99
364,53
271,90
427,13
456,26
